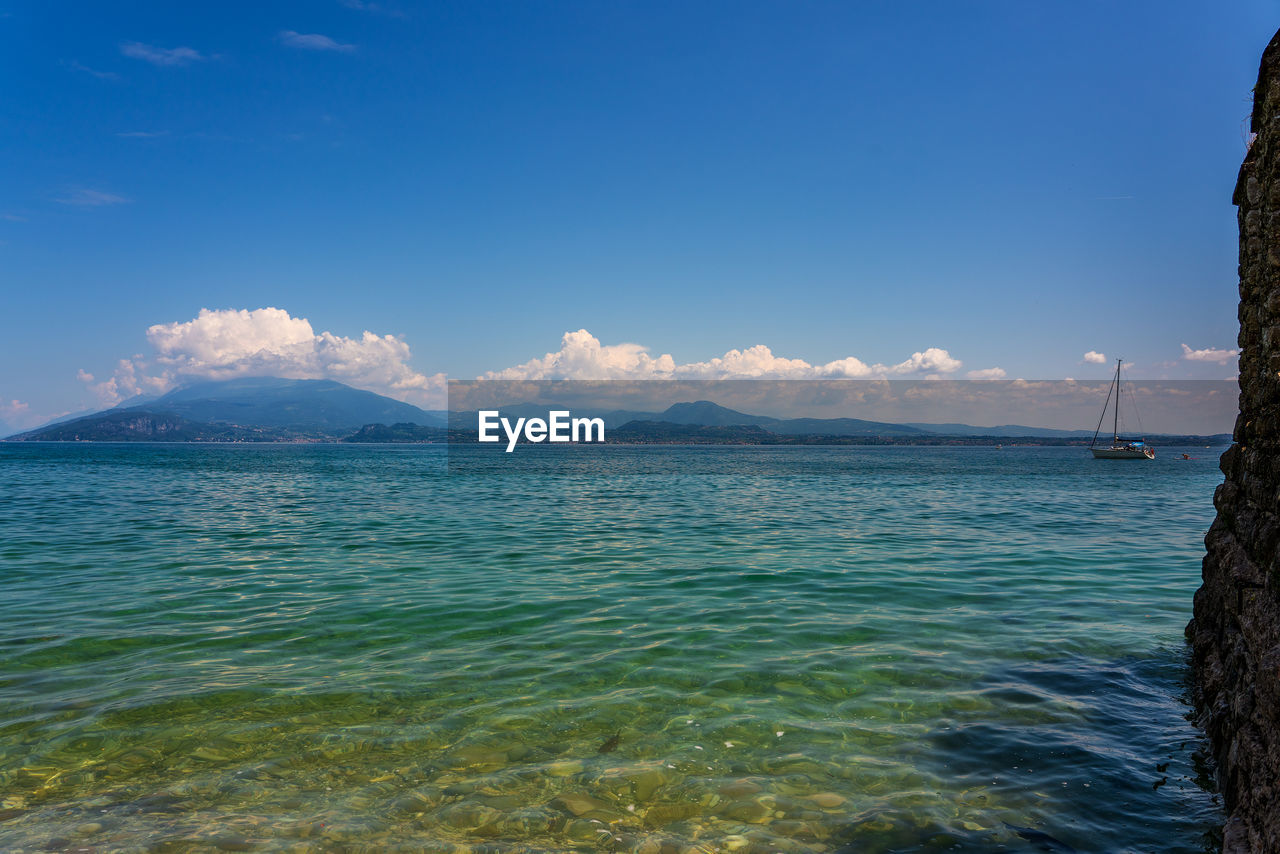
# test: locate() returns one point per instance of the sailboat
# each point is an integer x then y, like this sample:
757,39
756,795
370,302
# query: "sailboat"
1119,449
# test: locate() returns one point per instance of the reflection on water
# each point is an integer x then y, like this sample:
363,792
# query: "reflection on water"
657,650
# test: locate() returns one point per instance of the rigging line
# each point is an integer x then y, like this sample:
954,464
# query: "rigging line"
1133,399
1098,429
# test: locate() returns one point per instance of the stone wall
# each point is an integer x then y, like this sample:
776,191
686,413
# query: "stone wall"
1235,633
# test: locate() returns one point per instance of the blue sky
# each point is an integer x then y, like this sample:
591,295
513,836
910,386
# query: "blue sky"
1012,183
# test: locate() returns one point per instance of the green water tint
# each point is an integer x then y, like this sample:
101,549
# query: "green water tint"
321,648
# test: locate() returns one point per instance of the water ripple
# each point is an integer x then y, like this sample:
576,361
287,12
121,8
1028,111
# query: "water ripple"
647,649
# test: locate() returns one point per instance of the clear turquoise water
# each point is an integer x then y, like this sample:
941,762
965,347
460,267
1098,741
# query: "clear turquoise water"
798,649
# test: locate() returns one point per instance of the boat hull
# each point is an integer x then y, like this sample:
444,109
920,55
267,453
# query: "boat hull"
1123,453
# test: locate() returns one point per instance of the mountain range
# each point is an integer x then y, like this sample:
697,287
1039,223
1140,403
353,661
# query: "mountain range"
263,409
704,413
271,409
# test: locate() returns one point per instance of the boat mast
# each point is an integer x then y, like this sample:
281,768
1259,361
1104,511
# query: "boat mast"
1103,414
1115,422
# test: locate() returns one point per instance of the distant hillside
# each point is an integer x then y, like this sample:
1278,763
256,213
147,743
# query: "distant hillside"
261,409
304,405
667,433
463,419
267,409
704,413
398,433
710,414
1000,430
137,425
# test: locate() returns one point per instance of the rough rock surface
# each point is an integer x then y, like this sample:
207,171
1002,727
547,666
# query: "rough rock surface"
1235,633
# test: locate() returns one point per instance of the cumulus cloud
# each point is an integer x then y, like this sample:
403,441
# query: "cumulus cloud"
1093,357
1208,355
753,362
160,55
582,356
987,374
228,343
932,360
222,344
129,379
313,41
758,362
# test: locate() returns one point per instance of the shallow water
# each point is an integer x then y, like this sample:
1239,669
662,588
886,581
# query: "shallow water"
649,649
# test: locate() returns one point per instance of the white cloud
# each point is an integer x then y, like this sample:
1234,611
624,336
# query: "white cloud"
987,374
365,6
846,368
222,344
101,75
753,362
1093,357
16,415
228,343
160,55
313,41
86,198
129,380
582,356
933,359
1208,355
